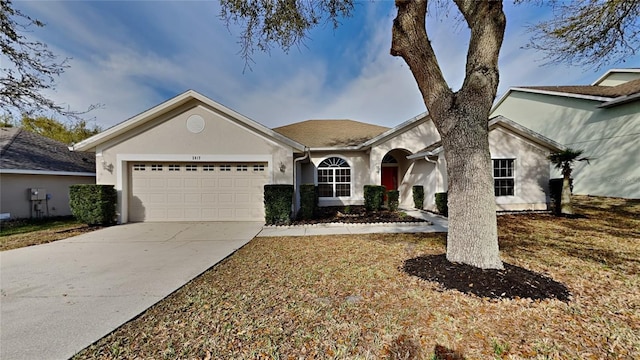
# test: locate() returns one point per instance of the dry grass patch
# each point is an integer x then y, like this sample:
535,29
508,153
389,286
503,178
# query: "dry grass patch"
347,297
21,233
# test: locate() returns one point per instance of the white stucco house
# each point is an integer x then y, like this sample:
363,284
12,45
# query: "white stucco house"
191,158
603,119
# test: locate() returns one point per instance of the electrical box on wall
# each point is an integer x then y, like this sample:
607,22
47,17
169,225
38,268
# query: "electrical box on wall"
38,194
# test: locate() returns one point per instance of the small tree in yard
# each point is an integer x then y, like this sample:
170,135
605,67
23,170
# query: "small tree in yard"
564,161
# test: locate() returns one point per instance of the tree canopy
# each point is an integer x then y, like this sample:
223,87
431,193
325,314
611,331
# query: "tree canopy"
68,133
29,68
591,33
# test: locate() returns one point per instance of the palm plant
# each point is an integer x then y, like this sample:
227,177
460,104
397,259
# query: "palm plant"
563,161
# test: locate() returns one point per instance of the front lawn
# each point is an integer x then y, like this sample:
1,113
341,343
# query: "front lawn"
26,232
348,297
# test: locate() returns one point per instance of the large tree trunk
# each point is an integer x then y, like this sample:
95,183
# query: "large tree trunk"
462,121
473,234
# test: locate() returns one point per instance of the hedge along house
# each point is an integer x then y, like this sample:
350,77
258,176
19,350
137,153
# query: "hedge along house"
192,159
36,173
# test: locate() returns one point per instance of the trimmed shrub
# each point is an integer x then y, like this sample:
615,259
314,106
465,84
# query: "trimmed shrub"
277,204
418,196
555,193
308,201
393,196
441,203
93,204
373,197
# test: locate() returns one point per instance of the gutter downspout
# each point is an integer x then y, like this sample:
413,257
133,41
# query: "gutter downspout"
296,194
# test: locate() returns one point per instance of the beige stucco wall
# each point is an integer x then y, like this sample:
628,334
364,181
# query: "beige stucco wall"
359,163
168,139
609,137
531,171
412,140
15,193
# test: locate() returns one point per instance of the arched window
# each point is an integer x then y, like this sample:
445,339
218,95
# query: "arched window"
334,178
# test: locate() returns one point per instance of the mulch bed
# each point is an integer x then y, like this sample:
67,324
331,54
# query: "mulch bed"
355,215
511,283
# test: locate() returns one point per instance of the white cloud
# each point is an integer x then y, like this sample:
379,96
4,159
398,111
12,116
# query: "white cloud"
131,62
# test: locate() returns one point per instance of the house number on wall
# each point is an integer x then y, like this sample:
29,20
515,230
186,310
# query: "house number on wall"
195,157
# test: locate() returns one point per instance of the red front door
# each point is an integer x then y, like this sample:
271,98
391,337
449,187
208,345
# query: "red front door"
390,178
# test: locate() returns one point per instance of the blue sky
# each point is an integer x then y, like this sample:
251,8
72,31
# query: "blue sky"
130,56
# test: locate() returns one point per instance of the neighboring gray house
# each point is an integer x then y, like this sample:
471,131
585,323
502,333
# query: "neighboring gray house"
193,159
603,119
36,172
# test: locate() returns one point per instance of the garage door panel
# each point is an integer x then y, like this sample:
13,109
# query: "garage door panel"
203,194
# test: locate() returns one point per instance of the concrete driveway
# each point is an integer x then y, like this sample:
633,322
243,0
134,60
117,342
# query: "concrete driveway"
60,297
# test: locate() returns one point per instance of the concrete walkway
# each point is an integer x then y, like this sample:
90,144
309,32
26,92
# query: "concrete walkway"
440,224
60,297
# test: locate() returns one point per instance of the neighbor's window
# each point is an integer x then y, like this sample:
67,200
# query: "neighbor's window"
334,178
503,177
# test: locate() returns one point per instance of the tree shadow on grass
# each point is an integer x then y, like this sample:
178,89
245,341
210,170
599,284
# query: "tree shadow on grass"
510,283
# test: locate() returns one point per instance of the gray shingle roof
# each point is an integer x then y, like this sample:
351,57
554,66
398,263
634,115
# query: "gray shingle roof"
27,151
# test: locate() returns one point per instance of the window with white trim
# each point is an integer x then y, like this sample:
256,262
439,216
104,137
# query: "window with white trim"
208,167
242,168
191,167
138,167
173,167
225,167
156,167
334,178
504,177
258,167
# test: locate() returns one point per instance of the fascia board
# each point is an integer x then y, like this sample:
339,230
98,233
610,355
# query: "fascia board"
45,172
394,131
525,132
177,101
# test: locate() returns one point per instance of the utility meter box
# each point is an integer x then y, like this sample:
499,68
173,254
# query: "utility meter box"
38,194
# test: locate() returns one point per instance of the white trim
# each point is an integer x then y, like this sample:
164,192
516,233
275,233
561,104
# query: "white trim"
394,131
351,174
547,92
122,168
45,172
515,177
611,71
524,132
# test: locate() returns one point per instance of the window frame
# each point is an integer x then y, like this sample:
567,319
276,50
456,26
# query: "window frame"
332,170
503,178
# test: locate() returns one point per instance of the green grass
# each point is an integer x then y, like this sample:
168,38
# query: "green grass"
23,226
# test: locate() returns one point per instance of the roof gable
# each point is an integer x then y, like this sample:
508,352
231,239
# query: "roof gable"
171,105
24,151
330,133
608,96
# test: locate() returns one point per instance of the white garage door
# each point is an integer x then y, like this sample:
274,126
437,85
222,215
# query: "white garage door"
161,191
